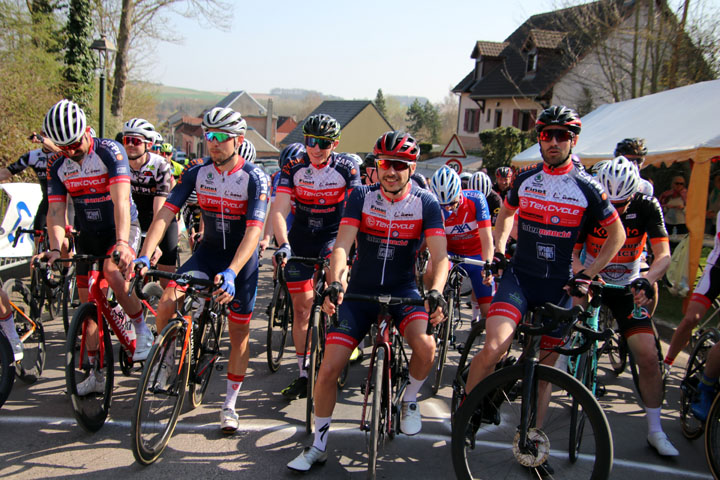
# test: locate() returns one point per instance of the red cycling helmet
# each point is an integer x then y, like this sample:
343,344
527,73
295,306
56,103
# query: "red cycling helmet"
397,144
561,116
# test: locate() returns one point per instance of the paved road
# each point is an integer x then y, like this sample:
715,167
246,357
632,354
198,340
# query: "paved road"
41,439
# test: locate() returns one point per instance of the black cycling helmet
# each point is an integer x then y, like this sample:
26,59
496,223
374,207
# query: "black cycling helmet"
321,125
503,172
631,146
397,144
369,161
561,116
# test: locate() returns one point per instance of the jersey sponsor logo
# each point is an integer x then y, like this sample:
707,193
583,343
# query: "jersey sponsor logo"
545,252
615,271
546,232
379,210
630,216
93,215
461,228
538,179
386,252
86,183
529,203
535,190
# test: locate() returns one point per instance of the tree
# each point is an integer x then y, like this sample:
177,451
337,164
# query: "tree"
501,144
414,118
141,20
431,119
79,59
380,102
424,121
448,110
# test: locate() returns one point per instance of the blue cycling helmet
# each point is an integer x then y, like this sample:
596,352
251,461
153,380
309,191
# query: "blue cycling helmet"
445,184
291,152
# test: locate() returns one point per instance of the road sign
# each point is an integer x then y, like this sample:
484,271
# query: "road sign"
455,164
454,148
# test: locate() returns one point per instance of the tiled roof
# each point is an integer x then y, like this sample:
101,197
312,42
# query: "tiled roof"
231,97
561,32
488,49
341,110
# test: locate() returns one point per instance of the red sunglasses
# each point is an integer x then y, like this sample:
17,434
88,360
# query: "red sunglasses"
397,165
559,135
135,141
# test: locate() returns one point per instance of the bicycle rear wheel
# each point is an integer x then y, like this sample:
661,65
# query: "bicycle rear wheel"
312,367
712,439
443,342
279,320
467,352
30,331
491,450
378,413
7,369
583,373
692,428
92,409
69,293
158,403
207,351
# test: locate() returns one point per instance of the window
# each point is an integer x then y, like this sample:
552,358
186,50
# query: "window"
472,120
488,116
498,118
531,61
524,119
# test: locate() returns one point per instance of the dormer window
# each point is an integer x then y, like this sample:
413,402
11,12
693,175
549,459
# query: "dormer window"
532,58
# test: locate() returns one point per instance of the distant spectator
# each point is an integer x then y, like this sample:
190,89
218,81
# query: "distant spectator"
504,179
634,149
673,202
713,204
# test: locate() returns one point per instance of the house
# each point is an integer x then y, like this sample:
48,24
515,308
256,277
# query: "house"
580,56
258,117
361,123
285,126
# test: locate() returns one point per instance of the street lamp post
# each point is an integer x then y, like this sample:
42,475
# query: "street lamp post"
103,46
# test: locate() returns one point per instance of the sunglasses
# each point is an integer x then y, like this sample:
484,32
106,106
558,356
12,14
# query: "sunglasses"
219,137
166,153
322,143
135,141
397,165
559,135
679,183
451,206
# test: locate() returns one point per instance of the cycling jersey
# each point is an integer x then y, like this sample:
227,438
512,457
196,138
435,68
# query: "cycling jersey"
88,183
320,194
419,180
709,285
552,205
230,201
642,219
389,235
494,202
502,193
152,179
462,225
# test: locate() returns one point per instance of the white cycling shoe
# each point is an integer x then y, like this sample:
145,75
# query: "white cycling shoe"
143,344
94,383
659,441
306,459
410,418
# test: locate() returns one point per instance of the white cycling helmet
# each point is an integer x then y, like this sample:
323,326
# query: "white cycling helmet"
480,182
141,127
247,151
595,169
92,132
445,184
226,120
620,179
65,123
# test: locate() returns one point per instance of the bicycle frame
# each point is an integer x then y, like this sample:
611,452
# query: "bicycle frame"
32,322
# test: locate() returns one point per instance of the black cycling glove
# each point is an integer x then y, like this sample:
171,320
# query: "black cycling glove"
435,300
333,291
579,284
643,284
499,262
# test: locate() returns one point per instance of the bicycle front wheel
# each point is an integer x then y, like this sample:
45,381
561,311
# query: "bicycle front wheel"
378,413
279,319
467,352
486,438
692,427
30,331
443,342
312,369
69,292
160,394
7,369
92,407
207,352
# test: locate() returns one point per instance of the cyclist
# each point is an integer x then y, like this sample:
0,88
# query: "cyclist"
166,151
151,182
641,216
482,183
7,325
503,181
37,160
96,174
553,199
320,181
634,149
233,197
468,231
465,180
395,208
371,173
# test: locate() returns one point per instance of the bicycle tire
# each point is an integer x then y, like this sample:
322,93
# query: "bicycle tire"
7,369
636,374
712,438
152,291
493,455
614,346
577,416
30,368
443,337
692,428
279,320
206,353
90,411
312,369
36,302
69,293
156,410
378,411
463,367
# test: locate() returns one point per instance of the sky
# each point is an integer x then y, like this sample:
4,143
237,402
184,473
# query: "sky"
344,48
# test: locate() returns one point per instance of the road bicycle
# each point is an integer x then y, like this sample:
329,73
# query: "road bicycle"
503,425
280,319
693,427
94,321
388,375
445,332
182,358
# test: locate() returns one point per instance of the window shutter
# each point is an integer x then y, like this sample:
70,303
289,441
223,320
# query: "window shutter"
516,118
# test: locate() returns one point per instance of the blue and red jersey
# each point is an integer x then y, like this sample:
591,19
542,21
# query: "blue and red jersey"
462,226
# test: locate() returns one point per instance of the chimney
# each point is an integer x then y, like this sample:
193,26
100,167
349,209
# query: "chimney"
269,132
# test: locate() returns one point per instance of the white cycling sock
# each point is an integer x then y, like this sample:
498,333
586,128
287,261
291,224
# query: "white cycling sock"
234,382
8,327
475,311
322,427
412,389
301,365
138,321
653,419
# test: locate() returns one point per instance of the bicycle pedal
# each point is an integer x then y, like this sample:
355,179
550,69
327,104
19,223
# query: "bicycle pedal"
75,303
218,367
459,347
600,391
